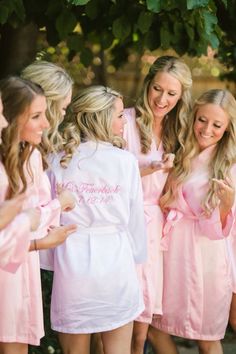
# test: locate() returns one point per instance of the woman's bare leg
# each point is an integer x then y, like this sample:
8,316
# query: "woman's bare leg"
13,348
96,346
162,343
210,347
74,343
118,341
139,337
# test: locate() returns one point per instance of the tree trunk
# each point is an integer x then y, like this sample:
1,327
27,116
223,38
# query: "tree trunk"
18,48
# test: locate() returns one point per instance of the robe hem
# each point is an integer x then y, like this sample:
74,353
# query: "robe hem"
188,335
149,318
24,340
88,330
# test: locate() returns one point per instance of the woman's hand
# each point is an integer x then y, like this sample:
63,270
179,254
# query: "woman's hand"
225,191
67,200
55,237
165,164
168,161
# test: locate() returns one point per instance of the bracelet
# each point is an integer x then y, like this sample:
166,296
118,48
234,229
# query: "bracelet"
35,245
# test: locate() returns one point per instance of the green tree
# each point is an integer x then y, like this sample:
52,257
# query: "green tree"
122,26
227,49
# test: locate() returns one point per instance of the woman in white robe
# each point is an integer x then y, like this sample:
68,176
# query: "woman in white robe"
95,286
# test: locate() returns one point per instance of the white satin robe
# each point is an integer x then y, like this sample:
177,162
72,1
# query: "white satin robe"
95,285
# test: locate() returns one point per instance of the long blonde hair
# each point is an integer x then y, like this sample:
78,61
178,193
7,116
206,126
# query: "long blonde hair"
90,119
56,84
223,157
175,124
17,95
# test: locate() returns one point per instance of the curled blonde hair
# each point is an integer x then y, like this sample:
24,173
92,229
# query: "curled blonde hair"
223,158
174,125
57,85
17,95
90,119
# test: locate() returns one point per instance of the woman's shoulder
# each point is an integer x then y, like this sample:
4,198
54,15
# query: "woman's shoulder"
35,159
125,156
54,158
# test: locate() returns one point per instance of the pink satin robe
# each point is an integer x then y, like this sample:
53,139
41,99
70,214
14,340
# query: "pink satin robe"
21,315
231,245
151,272
197,271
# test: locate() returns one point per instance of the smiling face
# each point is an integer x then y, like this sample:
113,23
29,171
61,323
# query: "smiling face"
118,120
163,94
3,122
33,122
211,121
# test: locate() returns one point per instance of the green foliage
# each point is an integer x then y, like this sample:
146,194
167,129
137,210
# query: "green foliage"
125,26
86,56
154,5
75,42
225,2
210,21
187,26
4,10
121,28
194,4
78,2
12,11
144,21
65,23
227,48
92,10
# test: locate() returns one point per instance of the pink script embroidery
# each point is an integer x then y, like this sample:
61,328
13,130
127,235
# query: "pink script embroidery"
89,193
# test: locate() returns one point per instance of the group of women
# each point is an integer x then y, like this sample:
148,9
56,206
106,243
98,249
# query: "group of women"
135,213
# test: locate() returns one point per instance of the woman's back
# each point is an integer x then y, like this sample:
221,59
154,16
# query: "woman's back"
104,179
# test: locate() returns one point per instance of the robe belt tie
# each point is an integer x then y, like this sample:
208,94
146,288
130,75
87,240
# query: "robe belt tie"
173,217
102,230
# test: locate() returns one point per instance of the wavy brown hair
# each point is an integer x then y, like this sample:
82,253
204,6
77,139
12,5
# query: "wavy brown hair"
174,125
223,157
17,95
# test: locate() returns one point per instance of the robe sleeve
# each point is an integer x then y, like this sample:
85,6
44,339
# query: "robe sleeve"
212,226
50,212
47,256
15,243
15,237
231,243
231,247
137,225
50,208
